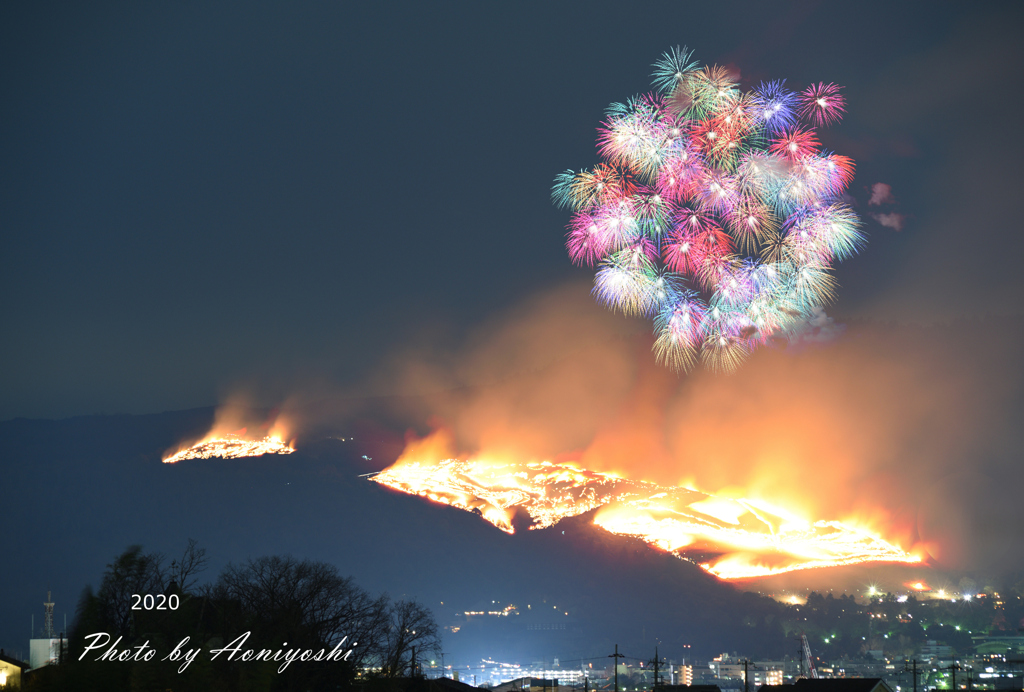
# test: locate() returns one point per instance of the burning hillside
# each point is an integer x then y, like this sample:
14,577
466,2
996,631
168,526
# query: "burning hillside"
730,538
237,432
231,446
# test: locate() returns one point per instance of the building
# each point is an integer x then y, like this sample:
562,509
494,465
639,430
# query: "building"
533,684
680,675
999,645
49,648
756,673
790,667
10,670
43,652
933,651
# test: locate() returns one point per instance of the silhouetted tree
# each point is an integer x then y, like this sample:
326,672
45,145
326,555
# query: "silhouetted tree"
303,602
132,572
408,625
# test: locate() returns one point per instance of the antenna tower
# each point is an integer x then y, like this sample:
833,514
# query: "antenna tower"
48,619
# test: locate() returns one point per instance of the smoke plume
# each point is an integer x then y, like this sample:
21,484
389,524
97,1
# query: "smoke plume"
906,430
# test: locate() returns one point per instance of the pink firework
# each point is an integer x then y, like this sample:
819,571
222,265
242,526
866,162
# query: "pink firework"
680,175
821,104
682,251
587,240
693,219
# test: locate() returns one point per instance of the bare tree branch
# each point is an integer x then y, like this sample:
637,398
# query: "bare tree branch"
186,570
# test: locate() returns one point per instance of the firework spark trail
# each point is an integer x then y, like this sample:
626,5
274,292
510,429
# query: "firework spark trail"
730,538
695,172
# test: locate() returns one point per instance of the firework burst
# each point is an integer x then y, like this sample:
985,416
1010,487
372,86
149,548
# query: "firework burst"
695,172
822,104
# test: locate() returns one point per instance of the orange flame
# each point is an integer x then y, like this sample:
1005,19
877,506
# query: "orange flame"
220,444
231,447
730,538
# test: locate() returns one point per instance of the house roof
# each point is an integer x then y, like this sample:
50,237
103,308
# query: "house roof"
830,685
12,661
840,685
417,685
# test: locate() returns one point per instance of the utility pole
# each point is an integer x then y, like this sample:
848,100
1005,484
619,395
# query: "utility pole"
412,664
914,669
953,669
656,663
746,675
616,656
442,665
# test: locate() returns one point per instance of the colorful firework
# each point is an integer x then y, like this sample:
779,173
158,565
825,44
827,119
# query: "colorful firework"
693,174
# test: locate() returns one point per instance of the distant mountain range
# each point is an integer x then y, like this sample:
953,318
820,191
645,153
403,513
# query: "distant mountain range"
79,491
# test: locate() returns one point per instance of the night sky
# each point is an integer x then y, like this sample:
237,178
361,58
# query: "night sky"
269,203
201,199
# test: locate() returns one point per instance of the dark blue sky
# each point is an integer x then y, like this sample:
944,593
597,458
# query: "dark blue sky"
199,198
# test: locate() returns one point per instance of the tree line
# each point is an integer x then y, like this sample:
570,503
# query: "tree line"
284,602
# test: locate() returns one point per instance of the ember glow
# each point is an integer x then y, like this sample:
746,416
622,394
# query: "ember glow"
730,538
231,446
